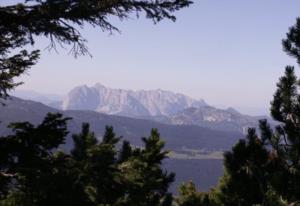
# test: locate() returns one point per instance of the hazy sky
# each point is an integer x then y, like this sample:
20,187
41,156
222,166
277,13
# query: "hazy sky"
227,52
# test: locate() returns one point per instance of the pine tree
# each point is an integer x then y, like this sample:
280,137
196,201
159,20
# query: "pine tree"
82,142
35,173
103,173
270,164
285,141
125,153
291,44
189,196
246,172
265,169
147,183
97,166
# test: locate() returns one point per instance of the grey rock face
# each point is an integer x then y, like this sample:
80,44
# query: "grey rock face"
127,102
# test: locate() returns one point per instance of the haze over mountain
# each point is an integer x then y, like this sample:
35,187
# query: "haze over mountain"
176,136
196,132
192,144
127,102
213,118
158,105
37,96
197,149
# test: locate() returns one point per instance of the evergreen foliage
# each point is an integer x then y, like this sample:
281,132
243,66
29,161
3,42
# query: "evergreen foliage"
188,196
248,169
147,183
33,171
263,169
291,44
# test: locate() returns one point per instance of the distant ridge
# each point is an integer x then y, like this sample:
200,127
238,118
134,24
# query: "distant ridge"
187,142
177,137
157,105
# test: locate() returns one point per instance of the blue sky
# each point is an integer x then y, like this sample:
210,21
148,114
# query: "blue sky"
226,52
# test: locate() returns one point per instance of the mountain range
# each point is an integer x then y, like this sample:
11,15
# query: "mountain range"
191,145
132,129
157,105
37,96
213,118
127,102
196,150
194,131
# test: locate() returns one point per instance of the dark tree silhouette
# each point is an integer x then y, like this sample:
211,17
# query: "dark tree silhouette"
291,45
33,172
264,168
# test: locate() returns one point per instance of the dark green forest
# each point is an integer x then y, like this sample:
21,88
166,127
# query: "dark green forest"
261,169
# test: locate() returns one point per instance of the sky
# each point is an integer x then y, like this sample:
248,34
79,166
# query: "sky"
227,52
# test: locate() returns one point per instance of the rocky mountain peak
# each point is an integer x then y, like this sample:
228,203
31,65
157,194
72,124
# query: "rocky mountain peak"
127,102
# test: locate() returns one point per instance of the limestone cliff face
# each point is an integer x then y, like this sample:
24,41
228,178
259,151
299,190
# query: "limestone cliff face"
128,103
